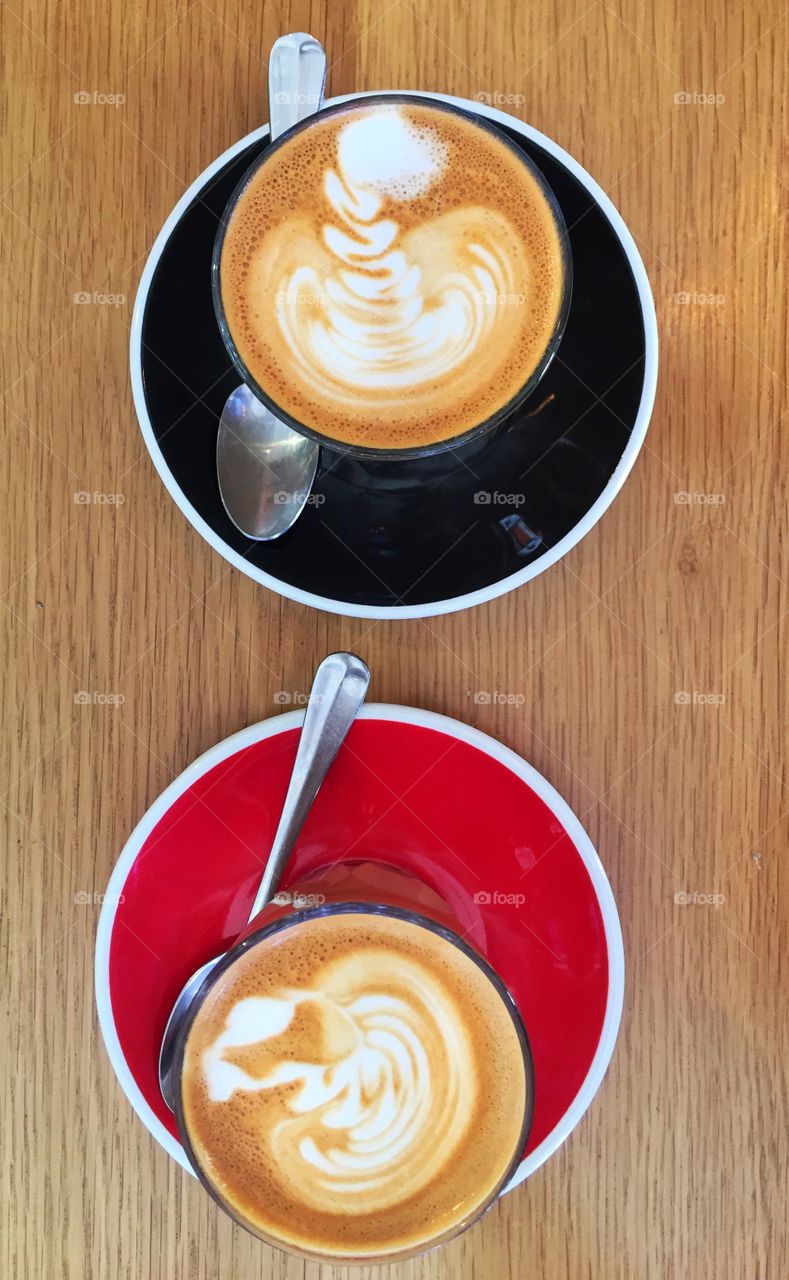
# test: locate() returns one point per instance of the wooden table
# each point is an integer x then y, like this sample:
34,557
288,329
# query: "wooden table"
679,1168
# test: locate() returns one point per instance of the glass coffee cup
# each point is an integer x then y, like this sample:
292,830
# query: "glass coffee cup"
440,327
353,1081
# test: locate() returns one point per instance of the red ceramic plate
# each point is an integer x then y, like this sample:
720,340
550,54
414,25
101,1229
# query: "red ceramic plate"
413,790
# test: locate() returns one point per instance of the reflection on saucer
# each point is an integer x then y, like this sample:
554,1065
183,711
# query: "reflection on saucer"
524,539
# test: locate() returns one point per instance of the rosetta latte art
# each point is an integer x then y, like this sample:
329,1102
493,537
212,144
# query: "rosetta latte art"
389,1099
392,275
378,308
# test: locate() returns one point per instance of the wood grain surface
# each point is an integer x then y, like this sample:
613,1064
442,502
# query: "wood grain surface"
679,1168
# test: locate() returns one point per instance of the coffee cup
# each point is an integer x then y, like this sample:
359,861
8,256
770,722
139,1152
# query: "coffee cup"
392,276
354,1081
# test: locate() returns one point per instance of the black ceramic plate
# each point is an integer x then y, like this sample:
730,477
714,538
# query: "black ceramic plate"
411,538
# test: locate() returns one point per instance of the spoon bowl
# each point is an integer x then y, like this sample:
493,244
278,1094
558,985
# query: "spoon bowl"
265,469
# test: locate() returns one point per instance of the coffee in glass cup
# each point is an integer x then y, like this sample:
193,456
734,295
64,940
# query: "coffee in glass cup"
354,1083
392,276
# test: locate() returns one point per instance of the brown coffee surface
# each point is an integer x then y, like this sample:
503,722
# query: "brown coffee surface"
392,276
354,1085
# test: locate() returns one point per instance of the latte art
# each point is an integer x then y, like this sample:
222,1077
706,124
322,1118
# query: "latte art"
376,307
353,1085
355,1124
392,275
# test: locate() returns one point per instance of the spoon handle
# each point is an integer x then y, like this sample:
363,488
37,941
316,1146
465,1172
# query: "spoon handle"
296,80
337,693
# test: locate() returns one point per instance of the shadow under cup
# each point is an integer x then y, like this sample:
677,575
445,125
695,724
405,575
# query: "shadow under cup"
393,891
496,419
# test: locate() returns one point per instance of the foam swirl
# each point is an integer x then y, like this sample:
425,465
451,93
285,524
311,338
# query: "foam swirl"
372,306
386,1060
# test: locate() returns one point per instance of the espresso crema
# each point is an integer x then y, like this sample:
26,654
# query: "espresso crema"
392,275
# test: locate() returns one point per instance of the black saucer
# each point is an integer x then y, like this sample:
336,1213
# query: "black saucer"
429,535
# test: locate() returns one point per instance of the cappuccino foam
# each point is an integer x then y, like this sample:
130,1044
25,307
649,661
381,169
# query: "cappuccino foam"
392,275
354,1085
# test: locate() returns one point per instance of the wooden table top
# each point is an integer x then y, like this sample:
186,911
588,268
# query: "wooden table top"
678,1169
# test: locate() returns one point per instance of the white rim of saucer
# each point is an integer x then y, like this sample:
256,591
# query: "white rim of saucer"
402,715
514,580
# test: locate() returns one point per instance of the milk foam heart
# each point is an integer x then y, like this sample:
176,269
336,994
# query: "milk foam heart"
355,1083
392,275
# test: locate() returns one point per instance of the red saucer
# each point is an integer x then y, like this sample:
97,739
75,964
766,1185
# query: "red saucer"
413,790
